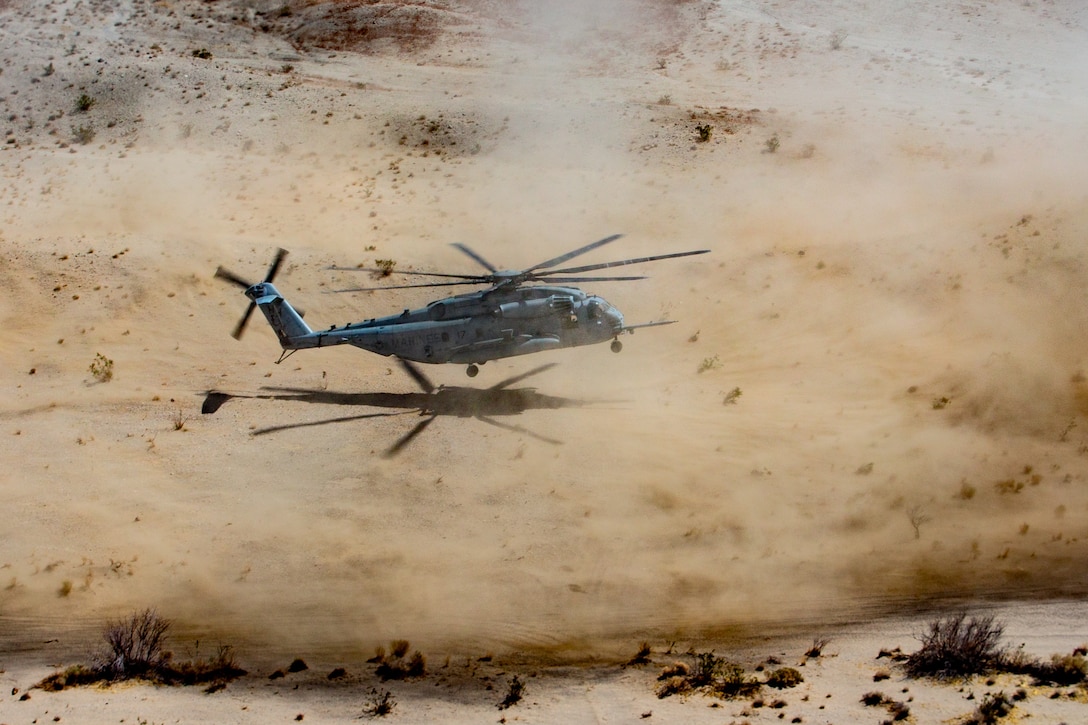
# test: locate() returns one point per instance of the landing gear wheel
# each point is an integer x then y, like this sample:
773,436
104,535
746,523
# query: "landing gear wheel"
617,346
472,371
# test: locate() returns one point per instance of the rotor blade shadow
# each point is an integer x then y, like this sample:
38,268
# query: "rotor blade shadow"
310,424
408,437
484,404
518,429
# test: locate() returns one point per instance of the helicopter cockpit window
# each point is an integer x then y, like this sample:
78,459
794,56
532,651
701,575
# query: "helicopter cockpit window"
594,310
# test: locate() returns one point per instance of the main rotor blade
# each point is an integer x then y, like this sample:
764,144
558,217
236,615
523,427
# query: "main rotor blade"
518,378
407,438
480,260
384,272
345,419
621,263
571,255
422,380
549,278
402,286
241,326
275,268
231,277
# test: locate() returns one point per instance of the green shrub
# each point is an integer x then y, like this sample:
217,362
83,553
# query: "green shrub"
74,676
709,363
784,677
101,368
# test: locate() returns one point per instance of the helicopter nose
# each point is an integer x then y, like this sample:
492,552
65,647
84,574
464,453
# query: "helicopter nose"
616,320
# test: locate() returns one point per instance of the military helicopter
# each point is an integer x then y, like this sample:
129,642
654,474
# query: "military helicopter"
512,317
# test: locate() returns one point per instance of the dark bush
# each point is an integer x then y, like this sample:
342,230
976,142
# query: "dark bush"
135,645
872,699
513,693
957,647
1062,670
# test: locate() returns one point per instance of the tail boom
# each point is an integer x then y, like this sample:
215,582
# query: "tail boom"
285,321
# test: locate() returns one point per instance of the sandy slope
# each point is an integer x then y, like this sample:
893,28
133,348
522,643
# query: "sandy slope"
895,290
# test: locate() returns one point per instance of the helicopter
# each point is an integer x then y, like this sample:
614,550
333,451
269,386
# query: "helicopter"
521,312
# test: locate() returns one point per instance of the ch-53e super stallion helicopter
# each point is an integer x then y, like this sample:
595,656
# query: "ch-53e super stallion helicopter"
511,317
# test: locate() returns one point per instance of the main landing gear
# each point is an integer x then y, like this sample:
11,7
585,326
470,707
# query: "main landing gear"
472,371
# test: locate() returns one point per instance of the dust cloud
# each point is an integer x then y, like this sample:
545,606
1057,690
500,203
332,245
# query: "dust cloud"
874,397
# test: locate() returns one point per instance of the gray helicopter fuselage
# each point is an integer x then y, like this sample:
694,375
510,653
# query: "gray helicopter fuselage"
522,312
471,328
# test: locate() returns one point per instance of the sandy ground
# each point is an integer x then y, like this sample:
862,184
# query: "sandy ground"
895,287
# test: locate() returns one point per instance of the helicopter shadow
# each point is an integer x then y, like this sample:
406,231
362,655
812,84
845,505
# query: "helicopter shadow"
483,404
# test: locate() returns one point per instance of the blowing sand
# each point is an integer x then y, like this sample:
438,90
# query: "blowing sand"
895,204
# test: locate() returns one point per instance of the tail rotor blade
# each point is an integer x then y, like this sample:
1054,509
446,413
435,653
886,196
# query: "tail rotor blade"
231,277
241,326
276,263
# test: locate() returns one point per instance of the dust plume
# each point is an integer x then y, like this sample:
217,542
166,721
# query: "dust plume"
874,397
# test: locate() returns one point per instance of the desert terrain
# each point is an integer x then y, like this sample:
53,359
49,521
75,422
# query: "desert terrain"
873,407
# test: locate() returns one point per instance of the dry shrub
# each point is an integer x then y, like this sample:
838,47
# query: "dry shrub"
136,652
676,669
642,657
395,667
513,693
219,669
674,685
712,674
379,704
135,645
1061,670
818,644
958,646
991,709
399,647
